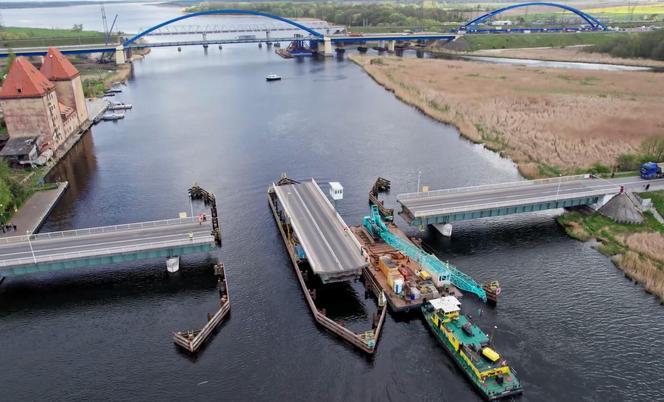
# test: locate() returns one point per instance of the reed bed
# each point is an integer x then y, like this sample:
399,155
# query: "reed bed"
561,118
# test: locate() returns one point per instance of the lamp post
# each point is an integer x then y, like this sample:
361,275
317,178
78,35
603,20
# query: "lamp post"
419,176
560,178
34,259
495,327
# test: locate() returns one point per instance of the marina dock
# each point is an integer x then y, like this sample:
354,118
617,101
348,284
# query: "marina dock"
317,239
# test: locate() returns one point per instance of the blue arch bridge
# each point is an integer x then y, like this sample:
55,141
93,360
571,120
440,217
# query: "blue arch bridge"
321,42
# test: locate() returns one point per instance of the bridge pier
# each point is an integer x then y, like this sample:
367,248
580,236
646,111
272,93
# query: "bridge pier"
327,50
391,45
120,57
173,264
444,228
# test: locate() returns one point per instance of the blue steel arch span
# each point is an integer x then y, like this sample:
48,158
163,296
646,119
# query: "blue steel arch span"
223,12
592,21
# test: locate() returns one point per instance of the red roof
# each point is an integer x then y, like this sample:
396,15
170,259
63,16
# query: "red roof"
56,67
24,81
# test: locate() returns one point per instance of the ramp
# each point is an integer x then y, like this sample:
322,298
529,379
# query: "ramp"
329,246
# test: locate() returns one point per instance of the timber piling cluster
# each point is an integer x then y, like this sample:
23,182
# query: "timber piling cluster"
192,340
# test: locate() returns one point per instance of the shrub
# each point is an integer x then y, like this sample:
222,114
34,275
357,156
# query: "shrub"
653,149
598,168
628,162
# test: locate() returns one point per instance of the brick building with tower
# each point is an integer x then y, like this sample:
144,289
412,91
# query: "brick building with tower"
45,106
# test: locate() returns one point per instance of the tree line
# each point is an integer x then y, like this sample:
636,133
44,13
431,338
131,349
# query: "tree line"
359,14
649,45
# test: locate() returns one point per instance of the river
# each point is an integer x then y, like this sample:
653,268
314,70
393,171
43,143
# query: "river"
568,321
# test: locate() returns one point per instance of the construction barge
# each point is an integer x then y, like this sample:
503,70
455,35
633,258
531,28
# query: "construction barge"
414,285
192,340
319,243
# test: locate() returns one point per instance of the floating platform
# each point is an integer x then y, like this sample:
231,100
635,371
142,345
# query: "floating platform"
192,340
417,287
327,243
285,190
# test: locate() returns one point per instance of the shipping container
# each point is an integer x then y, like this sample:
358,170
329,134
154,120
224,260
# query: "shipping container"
424,275
393,278
387,265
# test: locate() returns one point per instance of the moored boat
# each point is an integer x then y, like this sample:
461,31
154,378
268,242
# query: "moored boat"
272,77
470,349
113,116
119,106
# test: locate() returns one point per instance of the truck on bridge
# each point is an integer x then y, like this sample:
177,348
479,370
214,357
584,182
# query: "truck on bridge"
651,170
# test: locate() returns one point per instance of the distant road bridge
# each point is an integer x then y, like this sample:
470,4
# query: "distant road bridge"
320,26
320,32
594,24
311,33
458,204
20,255
390,38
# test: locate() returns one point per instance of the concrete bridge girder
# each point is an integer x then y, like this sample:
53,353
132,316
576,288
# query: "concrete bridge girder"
503,211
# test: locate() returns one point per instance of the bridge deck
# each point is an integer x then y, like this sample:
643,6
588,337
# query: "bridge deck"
419,206
332,251
80,244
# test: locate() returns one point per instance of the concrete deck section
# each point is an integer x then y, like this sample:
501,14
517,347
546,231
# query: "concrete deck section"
451,205
103,245
332,251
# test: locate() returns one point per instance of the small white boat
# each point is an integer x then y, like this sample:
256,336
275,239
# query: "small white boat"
272,77
112,116
120,106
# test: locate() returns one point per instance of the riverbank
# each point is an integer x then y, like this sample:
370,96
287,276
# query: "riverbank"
638,250
16,37
475,42
548,121
98,77
576,54
34,211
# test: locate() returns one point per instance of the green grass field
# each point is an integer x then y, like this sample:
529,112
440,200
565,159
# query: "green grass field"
14,37
510,41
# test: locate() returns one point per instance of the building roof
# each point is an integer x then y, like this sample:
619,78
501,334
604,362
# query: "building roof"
57,67
24,81
18,146
448,304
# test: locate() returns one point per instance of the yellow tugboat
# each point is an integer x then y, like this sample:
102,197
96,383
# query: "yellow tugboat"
470,348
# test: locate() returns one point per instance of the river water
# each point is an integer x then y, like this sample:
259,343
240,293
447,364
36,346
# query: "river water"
568,321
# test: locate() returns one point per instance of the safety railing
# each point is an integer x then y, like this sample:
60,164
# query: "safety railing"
105,251
482,187
99,230
477,206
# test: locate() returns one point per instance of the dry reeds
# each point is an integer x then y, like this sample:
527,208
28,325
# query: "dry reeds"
644,271
570,119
